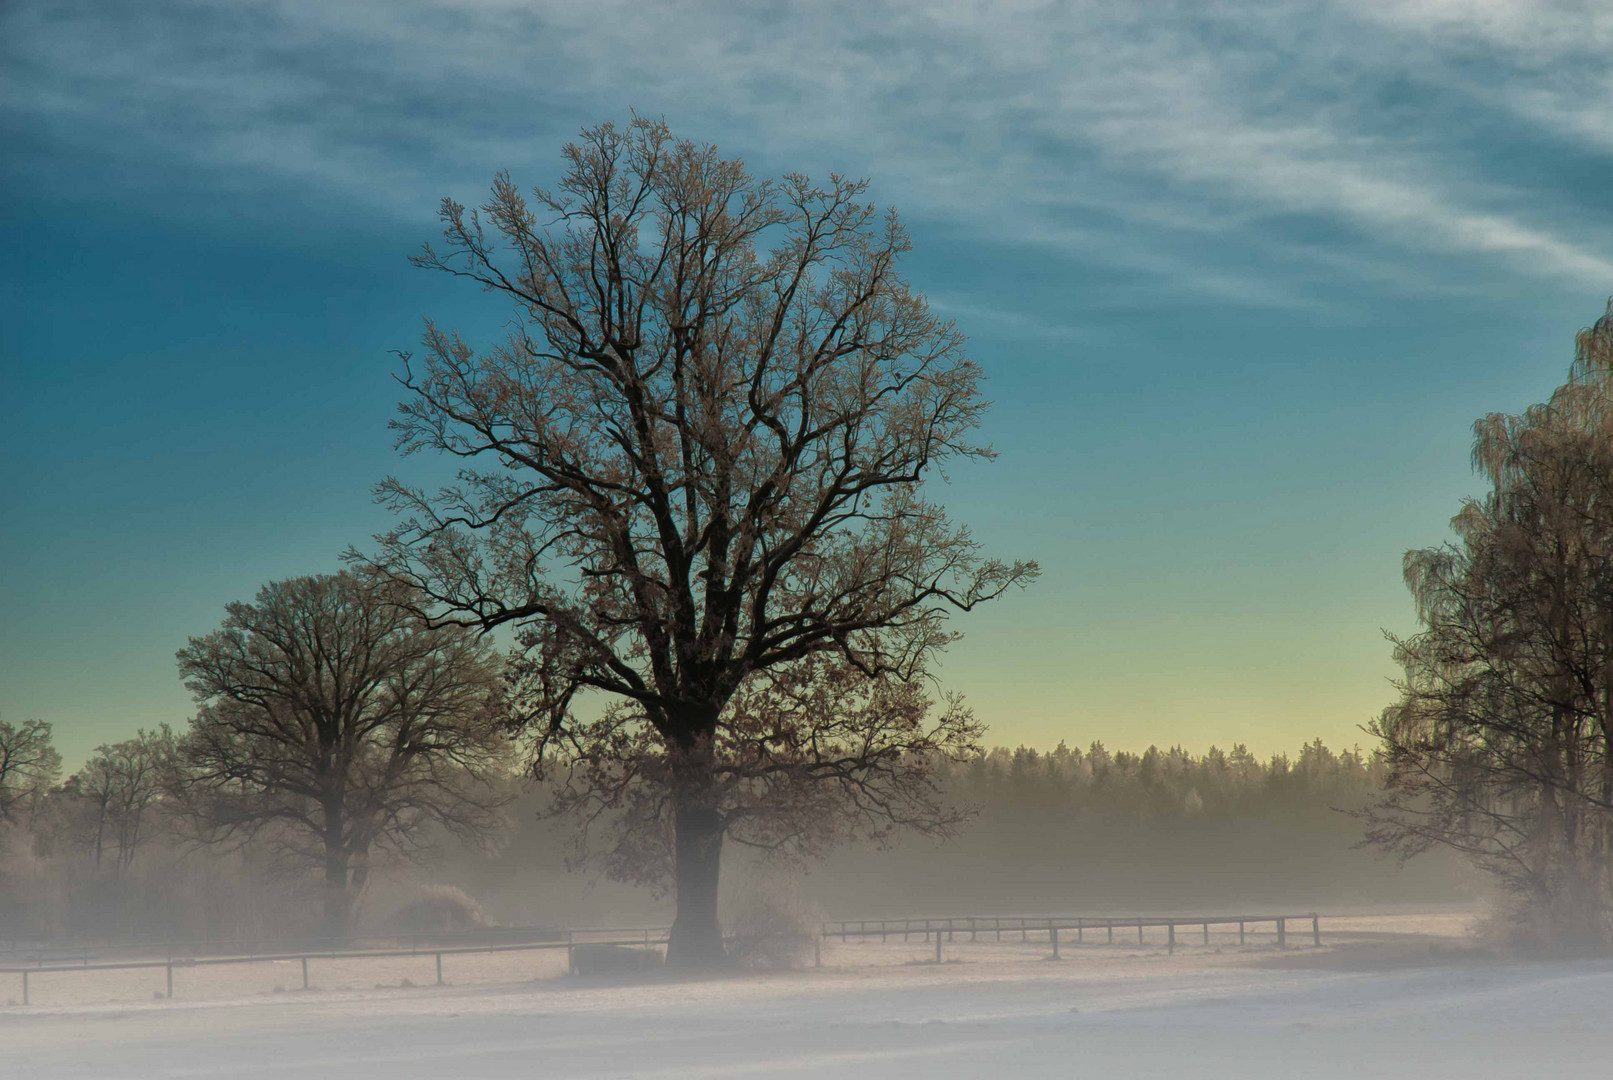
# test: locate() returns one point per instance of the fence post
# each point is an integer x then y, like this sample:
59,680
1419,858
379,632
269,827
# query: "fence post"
1053,933
1282,933
1170,942
1139,931
1316,930
882,931
25,987
571,954
439,969
1206,933
305,973
1078,935
1240,931
1109,924
938,945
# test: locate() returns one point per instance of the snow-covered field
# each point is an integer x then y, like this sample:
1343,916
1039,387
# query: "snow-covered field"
1381,998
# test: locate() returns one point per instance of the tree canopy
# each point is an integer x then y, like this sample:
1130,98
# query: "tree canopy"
334,726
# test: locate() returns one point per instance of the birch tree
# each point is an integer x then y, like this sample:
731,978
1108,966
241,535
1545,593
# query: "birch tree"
1501,745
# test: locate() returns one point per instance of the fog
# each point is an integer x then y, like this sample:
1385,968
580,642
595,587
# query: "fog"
1063,832
1041,841
1378,1003
1394,989
1414,974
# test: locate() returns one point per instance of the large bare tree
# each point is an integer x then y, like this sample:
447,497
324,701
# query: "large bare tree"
698,455
335,726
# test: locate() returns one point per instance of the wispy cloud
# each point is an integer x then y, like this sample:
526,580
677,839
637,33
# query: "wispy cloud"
1150,137
1007,322
1554,55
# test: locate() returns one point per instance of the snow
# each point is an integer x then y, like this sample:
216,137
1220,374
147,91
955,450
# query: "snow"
1371,1002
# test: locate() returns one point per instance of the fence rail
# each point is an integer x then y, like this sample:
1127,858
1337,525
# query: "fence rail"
30,961
171,955
35,955
1055,925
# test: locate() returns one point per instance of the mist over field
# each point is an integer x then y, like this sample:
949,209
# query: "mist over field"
1049,838
1050,833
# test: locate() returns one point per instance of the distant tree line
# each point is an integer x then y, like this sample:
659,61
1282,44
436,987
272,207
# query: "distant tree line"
1115,831
1172,782
1067,829
116,848
1158,829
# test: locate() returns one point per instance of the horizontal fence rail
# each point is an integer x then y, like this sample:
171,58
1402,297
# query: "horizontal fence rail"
171,955
36,955
1054,926
26,961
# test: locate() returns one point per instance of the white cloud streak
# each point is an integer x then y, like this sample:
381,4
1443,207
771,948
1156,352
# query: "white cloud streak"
1149,137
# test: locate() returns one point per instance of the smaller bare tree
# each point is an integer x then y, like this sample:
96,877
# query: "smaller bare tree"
117,788
335,727
29,765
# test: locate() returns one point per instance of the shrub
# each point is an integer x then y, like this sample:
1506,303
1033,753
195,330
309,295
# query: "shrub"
774,928
437,909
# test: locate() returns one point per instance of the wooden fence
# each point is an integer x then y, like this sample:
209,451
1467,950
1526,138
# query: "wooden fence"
26,961
1054,926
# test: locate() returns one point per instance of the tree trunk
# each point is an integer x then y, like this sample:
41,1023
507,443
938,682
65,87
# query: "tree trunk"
696,940
100,833
338,902
338,898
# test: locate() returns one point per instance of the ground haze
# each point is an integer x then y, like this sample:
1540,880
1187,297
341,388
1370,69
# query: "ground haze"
1386,995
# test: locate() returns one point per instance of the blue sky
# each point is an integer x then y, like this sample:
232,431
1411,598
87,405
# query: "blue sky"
1241,276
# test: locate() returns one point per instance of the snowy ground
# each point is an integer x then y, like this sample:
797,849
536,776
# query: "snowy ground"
1382,998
